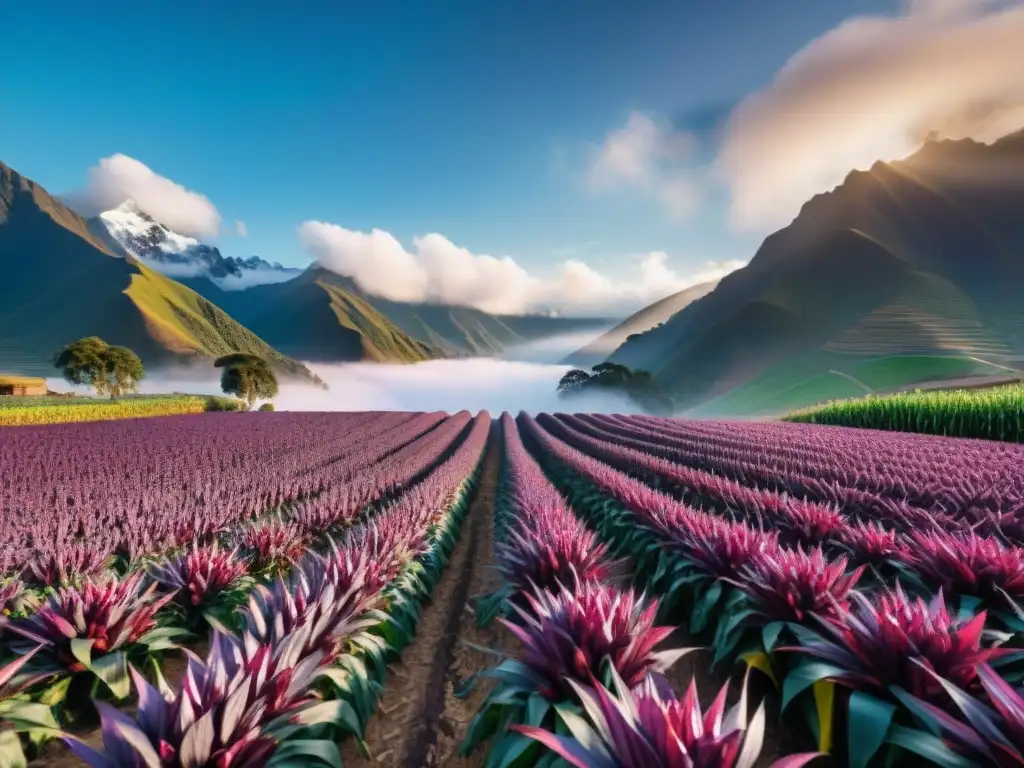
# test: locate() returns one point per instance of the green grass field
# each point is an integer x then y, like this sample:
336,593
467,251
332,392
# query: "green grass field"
822,376
996,413
25,411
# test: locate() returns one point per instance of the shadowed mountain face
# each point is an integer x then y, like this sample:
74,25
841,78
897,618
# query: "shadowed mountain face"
639,322
62,282
322,316
921,257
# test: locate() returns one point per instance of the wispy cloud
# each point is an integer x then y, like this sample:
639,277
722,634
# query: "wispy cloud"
435,269
873,89
118,178
240,229
649,155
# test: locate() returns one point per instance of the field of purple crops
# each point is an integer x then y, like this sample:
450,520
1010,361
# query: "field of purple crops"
423,589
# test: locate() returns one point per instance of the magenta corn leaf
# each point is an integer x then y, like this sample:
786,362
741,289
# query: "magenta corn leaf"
648,726
94,627
891,639
987,732
575,634
233,709
274,547
791,584
205,580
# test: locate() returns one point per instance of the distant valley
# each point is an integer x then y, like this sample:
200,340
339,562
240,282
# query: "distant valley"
133,281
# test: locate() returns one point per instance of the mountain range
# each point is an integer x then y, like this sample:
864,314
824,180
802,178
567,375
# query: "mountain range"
130,228
907,273
129,279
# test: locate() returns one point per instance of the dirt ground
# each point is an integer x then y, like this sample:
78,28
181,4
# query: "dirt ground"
420,722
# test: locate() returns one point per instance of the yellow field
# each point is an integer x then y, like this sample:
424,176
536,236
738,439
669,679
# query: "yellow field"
25,411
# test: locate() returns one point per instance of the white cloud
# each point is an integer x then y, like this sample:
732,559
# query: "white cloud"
436,385
872,89
650,156
444,385
240,229
437,270
118,178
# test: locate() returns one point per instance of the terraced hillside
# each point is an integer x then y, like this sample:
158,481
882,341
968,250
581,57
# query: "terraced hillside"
61,283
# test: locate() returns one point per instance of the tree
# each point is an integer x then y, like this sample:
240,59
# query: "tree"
639,386
248,377
573,380
124,370
81,363
93,363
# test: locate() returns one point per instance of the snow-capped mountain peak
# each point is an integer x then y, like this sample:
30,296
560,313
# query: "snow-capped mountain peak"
180,256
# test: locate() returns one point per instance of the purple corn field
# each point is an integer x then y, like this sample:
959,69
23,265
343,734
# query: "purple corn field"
232,589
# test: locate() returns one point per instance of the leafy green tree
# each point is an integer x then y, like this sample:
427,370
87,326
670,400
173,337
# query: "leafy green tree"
91,362
247,377
82,363
124,370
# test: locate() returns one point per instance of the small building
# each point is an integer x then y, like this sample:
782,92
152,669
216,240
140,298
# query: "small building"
24,386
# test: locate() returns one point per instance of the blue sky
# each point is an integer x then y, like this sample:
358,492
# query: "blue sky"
473,119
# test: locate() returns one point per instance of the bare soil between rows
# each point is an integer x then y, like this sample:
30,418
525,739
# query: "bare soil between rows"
420,722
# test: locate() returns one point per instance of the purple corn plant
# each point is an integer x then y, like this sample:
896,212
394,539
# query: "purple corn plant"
791,584
390,541
64,565
872,545
969,564
232,710
94,628
989,732
892,640
203,579
571,634
333,597
21,714
551,551
274,547
12,594
648,726
110,615
721,548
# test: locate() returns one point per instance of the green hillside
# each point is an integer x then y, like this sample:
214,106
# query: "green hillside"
324,317
61,283
911,270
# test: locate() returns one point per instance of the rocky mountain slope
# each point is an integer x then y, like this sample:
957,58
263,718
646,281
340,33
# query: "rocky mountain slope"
907,272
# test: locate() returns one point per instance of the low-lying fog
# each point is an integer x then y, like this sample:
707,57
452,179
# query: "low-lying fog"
525,383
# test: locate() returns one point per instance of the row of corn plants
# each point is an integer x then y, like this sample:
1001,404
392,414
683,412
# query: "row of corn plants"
587,687
91,635
21,411
859,656
134,487
925,483
931,472
993,414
